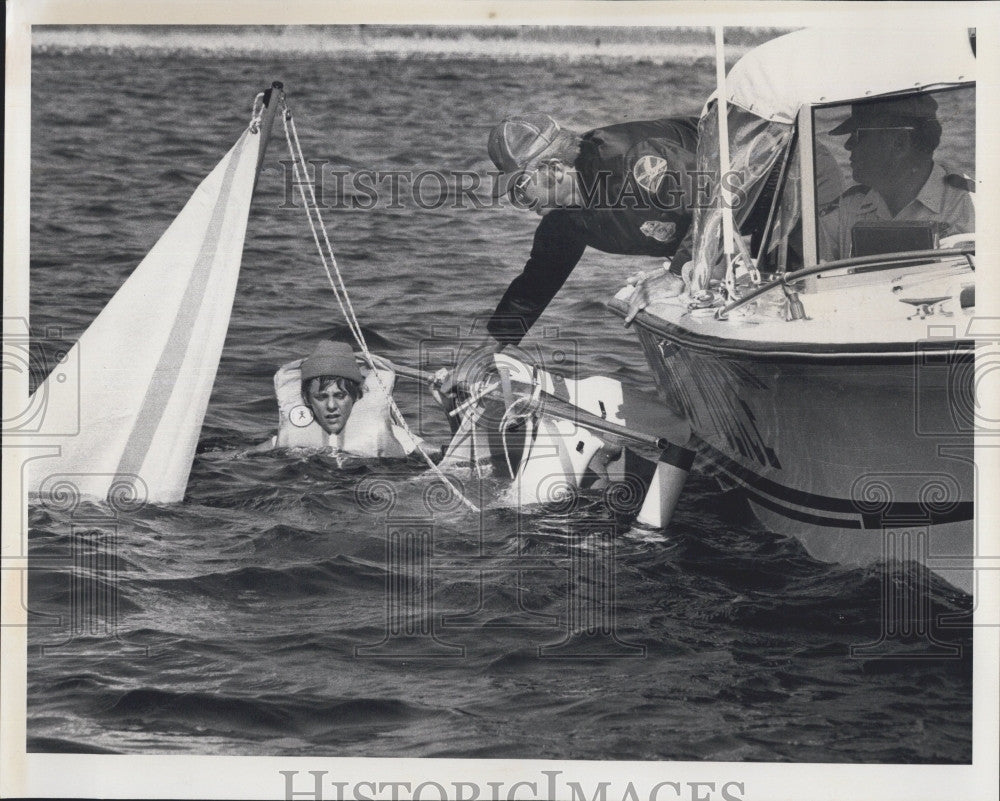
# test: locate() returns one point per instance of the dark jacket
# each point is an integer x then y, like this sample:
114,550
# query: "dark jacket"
634,177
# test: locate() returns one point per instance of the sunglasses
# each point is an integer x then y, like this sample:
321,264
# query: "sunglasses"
518,189
856,133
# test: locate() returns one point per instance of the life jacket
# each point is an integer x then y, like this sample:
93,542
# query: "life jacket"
369,431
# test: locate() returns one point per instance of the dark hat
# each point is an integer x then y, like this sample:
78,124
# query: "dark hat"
520,142
912,108
334,359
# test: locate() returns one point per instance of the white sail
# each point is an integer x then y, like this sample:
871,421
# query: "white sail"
147,363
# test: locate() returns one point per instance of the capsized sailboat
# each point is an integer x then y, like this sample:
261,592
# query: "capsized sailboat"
826,368
128,420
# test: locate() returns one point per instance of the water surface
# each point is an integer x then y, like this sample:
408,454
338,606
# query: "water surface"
250,619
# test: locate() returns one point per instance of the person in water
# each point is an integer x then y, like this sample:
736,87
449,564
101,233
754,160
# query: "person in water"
892,144
325,401
331,384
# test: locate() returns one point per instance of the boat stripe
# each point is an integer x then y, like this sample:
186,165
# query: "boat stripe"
164,380
963,510
804,517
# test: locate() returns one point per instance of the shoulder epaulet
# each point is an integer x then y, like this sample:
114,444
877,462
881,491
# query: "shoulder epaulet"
960,181
857,189
827,208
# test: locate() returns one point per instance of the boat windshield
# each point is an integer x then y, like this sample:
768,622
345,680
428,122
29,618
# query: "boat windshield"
760,158
894,173
889,175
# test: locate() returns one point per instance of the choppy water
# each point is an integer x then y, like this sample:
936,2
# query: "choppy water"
252,619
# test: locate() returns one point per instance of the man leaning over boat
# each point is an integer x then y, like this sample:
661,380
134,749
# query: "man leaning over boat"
620,189
892,144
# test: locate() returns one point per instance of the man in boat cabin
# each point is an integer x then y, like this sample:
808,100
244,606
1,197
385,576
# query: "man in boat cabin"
892,144
619,189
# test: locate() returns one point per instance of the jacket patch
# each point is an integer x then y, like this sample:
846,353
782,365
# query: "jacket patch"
649,172
960,181
660,231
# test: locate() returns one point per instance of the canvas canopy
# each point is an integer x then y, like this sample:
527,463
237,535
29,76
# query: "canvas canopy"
827,65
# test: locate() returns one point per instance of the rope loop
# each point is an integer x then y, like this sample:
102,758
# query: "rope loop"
532,407
256,113
336,281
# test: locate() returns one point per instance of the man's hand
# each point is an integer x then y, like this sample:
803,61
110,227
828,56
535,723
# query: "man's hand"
476,370
658,285
475,367
476,364
442,386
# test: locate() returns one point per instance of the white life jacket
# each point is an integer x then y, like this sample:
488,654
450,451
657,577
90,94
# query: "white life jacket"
369,431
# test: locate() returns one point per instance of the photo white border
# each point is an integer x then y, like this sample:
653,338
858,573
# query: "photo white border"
68,776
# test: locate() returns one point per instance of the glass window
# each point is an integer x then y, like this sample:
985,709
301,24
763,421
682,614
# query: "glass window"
895,173
756,151
783,247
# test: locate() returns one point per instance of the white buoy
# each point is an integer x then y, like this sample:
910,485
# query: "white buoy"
665,488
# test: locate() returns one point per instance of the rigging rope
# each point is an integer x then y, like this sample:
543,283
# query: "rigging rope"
340,291
532,405
257,112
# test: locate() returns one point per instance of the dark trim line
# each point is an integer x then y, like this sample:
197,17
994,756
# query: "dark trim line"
754,484
795,514
780,491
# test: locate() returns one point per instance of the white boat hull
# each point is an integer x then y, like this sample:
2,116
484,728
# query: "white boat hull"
851,455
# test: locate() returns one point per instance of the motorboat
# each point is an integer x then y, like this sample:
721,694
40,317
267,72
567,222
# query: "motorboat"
825,362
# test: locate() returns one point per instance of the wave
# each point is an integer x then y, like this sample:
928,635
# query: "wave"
367,42
320,720
59,745
319,579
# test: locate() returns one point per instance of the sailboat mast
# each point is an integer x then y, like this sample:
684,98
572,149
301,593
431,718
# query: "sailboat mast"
722,110
272,100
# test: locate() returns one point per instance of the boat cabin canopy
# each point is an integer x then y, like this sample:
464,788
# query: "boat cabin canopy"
843,143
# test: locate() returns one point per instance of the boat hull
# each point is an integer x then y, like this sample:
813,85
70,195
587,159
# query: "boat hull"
862,459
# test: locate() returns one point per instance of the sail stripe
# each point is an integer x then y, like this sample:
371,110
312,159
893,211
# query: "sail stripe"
164,380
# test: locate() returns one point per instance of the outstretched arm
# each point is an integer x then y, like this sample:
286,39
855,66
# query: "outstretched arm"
559,243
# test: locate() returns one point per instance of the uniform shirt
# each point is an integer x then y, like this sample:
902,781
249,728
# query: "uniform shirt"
945,199
634,178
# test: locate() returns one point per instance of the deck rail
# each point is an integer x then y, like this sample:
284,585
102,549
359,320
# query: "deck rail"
857,264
